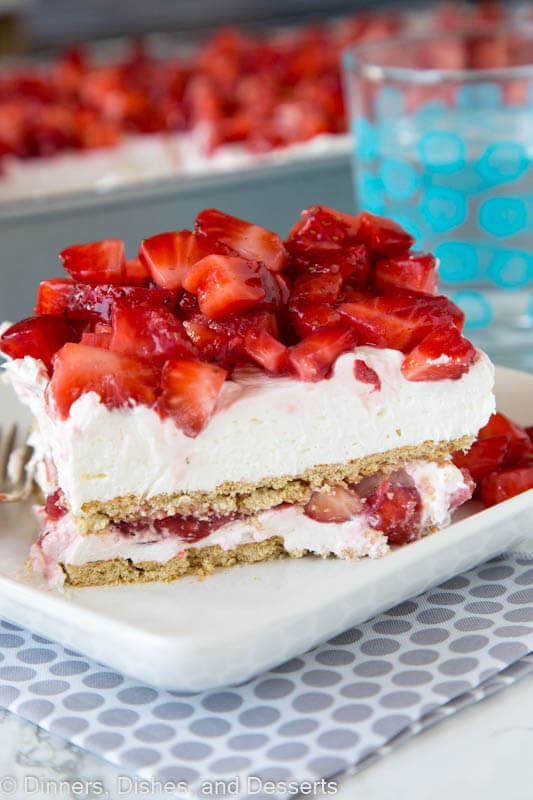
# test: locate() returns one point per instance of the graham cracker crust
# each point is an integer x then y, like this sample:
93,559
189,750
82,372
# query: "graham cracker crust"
201,561
246,498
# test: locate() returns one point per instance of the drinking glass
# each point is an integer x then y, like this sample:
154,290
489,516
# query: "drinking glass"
443,143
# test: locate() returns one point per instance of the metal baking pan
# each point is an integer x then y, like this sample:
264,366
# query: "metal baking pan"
31,234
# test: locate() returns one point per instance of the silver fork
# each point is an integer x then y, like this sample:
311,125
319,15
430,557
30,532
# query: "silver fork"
16,482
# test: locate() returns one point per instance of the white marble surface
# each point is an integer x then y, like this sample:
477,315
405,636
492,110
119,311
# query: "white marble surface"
484,751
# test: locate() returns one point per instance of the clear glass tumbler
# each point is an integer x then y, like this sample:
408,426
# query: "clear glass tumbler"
443,143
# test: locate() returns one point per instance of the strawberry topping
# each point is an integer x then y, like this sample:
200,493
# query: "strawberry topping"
96,262
38,337
232,294
247,240
118,380
336,505
443,353
190,390
362,372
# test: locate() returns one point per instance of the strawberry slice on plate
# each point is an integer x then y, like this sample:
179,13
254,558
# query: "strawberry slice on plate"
313,357
415,272
225,285
520,446
443,353
118,380
168,257
39,337
150,333
340,504
190,390
65,298
96,262
502,486
247,240
485,456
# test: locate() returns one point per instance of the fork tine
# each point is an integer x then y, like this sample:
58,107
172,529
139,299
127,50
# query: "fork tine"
7,444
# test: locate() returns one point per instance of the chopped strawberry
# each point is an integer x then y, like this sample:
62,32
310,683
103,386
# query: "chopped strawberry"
383,237
502,486
63,297
320,229
96,262
135,273
313,358
307,319
225,285
267,351
485,456
118,380
190,390
395,508
349,260
168,257
416,272
397,322
362,372
215,341
529,431
247,240
38,337
336,505
443,353
520,447
313,288
150,333
99,337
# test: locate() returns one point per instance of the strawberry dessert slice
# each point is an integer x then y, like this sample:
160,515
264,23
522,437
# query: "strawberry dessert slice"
226,397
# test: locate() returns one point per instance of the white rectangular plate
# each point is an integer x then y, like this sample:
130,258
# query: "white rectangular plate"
193,635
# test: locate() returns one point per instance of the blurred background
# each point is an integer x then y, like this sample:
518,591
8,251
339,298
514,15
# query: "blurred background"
126,118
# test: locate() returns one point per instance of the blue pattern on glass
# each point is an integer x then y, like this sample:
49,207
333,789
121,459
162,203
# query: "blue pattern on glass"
502,162
503,216
443,208
477,308
511,269
458,261
441,151
400,179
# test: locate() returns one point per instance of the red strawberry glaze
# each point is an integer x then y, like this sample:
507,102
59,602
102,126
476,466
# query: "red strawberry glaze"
188,528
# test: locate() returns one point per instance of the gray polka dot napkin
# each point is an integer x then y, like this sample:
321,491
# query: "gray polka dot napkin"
319,716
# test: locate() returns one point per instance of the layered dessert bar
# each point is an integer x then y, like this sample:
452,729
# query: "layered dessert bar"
228,397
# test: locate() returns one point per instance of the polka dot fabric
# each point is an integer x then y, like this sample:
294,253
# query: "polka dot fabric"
318,716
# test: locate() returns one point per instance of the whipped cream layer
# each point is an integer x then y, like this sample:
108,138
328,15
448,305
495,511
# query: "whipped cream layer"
263,427
441,487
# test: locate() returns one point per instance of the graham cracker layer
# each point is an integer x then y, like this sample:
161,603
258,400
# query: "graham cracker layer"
247,498
199,561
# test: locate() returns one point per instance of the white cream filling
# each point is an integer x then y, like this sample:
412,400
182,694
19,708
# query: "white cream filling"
263,427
